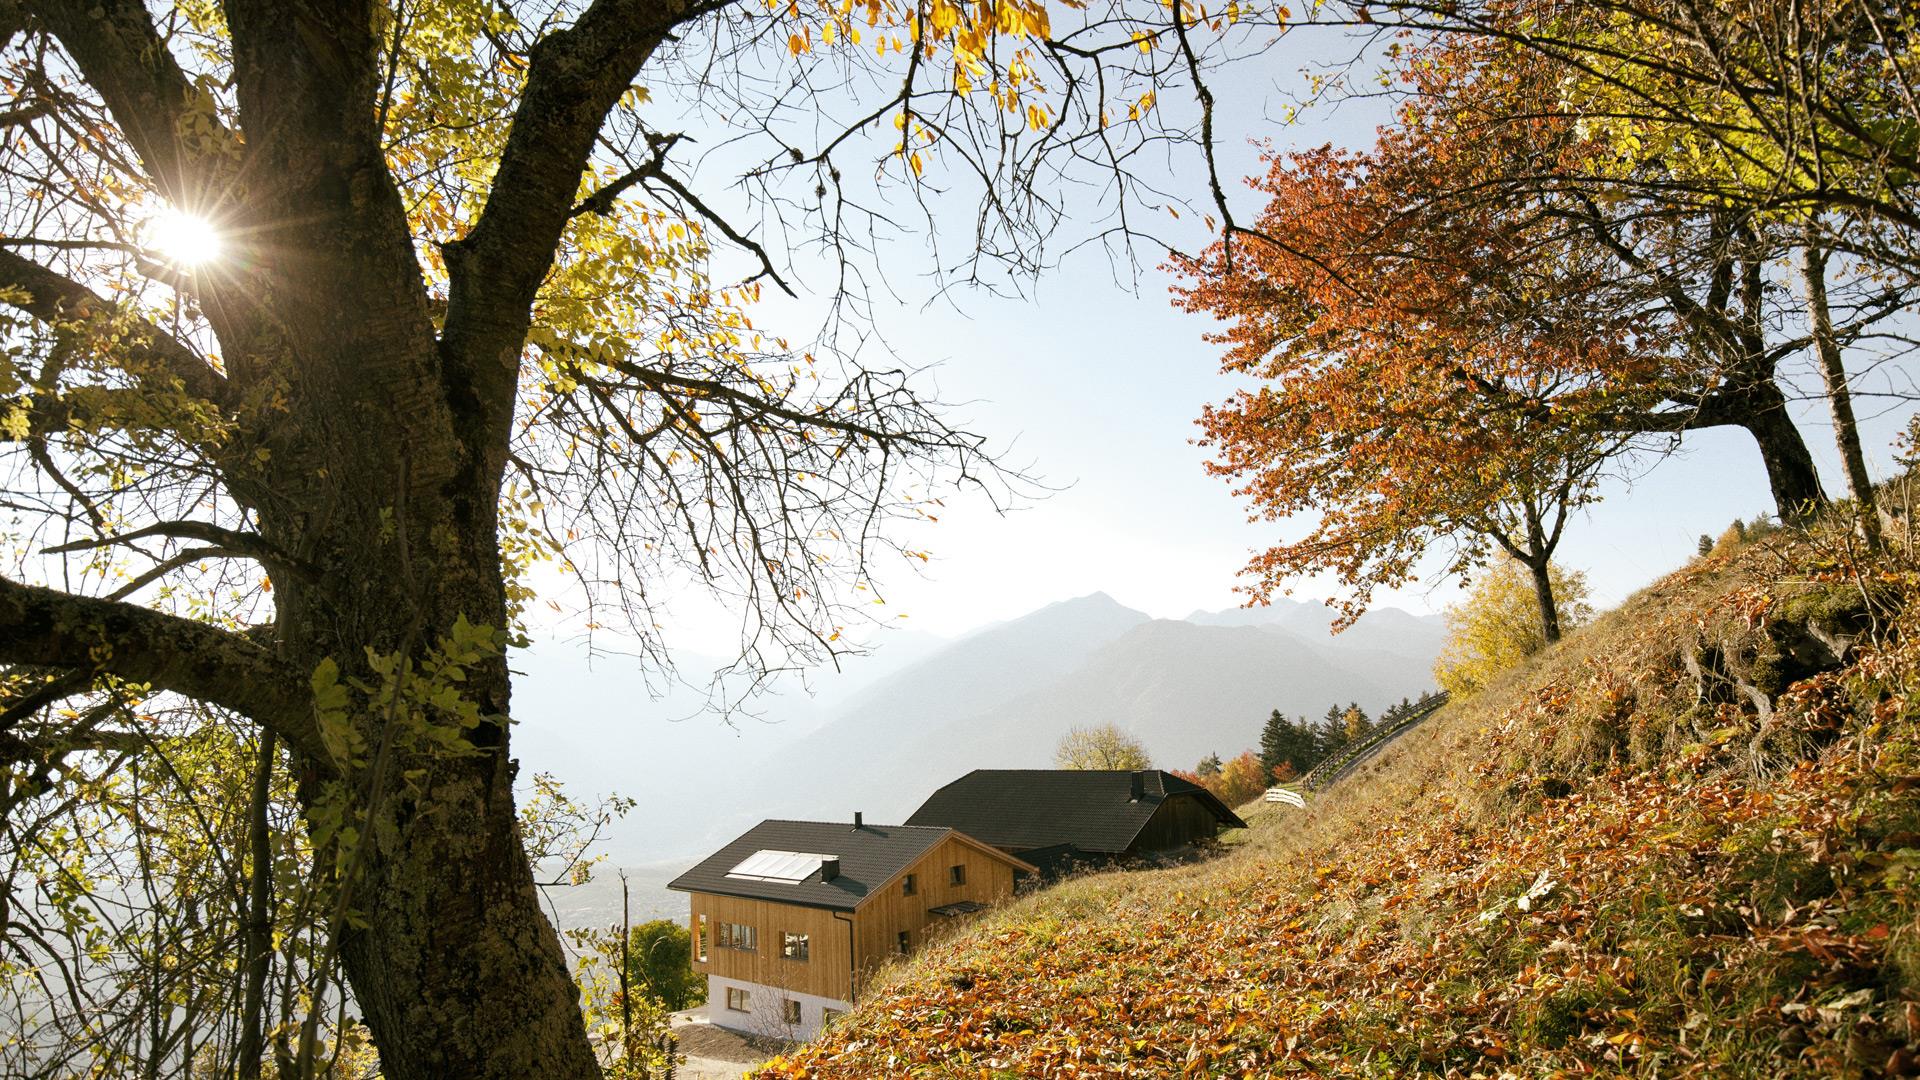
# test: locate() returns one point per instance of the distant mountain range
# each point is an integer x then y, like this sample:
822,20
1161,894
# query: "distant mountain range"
1003,697
907,720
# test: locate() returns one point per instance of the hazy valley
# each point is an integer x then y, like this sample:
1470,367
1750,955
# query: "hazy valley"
881,735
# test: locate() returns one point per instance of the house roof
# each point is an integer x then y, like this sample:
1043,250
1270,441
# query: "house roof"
1091,810
870,857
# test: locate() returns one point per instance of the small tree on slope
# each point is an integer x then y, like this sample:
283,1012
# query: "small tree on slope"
1498,625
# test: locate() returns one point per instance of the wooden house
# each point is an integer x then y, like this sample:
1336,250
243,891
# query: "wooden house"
1057,819
791,917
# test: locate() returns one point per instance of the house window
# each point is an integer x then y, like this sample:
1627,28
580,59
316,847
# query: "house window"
828,1016
790,1011
905,942
736,999
906,886
740,936
793,946
956,875
700,938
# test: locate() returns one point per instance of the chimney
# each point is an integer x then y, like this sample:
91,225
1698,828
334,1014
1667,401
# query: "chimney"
856,819
829,869
1137,786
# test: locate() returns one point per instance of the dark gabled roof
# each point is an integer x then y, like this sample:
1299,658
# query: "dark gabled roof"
870,856
1090,810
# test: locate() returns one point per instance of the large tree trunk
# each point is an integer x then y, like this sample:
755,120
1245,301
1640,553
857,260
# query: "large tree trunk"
1543,596
1749,397
1791,475
1846,432
458,973
383,486
451,962
1760,408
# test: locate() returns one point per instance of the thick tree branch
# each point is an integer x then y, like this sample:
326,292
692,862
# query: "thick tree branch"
147,352
46,628
576,78
124,58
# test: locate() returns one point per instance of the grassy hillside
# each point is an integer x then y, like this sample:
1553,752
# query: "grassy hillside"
1685,842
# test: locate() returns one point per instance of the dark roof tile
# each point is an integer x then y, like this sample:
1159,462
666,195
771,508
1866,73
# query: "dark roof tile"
869,856
1090,810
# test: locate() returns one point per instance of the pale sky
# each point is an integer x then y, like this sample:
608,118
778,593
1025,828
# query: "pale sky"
1099,389
1094,384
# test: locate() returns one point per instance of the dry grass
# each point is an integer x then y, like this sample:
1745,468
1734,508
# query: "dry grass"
1672,845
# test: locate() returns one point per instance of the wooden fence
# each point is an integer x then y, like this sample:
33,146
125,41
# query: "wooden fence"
1349,757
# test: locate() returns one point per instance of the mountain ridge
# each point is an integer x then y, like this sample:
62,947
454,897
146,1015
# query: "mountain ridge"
1000,696
1006,696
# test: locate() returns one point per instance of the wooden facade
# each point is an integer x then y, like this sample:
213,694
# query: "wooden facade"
826,971
1178,821
888,911
845,947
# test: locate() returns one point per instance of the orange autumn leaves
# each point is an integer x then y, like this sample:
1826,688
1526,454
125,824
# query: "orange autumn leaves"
1419,370
1428,945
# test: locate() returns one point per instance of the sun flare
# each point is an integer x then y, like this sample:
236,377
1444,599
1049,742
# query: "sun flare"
185,239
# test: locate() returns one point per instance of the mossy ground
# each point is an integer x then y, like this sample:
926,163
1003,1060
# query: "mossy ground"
1601,865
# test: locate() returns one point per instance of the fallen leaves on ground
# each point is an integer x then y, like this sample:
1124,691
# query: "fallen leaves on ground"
1498,914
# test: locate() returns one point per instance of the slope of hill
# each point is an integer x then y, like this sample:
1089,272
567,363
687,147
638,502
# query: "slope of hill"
1683,843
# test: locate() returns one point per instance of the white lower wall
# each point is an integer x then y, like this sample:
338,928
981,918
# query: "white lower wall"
763,1015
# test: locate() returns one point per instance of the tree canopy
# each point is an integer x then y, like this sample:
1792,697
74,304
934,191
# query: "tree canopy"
1498,625
1101,747
1585,234
331,324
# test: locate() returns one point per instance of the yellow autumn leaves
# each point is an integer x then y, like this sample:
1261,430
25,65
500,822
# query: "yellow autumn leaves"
962,36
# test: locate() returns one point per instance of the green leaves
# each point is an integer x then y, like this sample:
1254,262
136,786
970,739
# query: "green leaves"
332,715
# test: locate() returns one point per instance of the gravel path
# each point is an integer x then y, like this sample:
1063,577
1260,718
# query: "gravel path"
714,1053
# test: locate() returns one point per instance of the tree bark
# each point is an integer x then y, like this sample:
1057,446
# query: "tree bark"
452,964
1791,475
258,941
1833,371
457,972
1543,596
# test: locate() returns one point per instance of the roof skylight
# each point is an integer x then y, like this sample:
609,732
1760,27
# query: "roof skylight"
790,867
